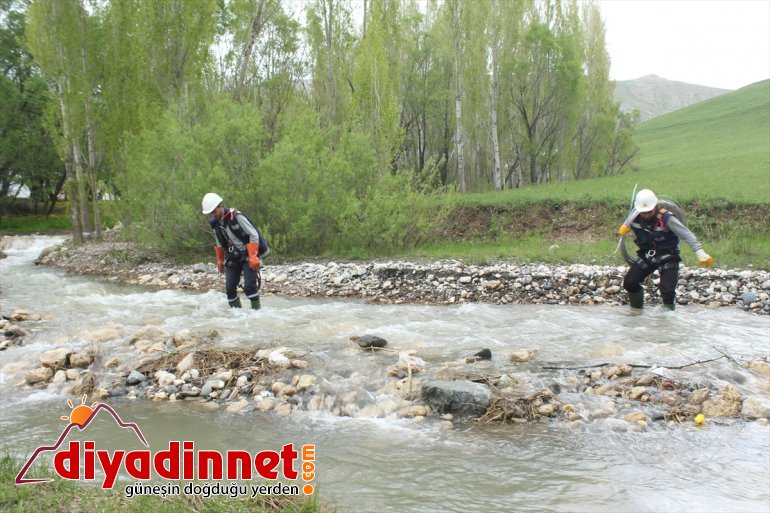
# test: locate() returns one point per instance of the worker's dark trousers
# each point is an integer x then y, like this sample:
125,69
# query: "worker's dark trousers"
669,276
233,270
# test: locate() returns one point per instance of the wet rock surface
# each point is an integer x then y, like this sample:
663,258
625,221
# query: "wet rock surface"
456,397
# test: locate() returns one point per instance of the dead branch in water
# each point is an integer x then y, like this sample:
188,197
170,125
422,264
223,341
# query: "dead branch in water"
725,354
550,367
693,363
641,366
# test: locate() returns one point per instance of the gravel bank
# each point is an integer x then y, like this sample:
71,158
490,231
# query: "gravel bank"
438,282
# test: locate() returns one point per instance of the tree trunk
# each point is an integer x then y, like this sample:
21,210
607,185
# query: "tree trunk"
458,57
71,184
421,141
497,176
459,143
90,147
493,94
366,14
257,23
80,185
328,15
54,196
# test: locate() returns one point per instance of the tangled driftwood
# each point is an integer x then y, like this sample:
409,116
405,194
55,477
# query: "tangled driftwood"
518,409
208,361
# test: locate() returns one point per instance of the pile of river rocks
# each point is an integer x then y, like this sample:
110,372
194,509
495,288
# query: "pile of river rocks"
441,282
193,367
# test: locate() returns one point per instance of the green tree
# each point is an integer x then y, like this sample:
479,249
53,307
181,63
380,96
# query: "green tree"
544,90
250,19
509,20
455,12
494,91
331,40
215,149
263,63
428,95
27,154
376,79
58,40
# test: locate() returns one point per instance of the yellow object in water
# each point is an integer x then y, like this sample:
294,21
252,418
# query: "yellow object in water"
699,419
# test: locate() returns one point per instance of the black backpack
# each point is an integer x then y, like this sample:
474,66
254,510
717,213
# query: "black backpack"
264,247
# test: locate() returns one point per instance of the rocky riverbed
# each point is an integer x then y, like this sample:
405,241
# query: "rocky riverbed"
440,282
193,367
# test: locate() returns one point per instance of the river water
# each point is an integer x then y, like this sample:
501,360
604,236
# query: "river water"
383,463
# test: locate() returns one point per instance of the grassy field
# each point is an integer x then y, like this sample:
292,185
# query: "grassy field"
15,225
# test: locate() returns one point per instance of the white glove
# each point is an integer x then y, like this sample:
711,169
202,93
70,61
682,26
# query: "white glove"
704,259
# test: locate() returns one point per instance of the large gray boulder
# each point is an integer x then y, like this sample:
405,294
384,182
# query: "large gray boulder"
462,398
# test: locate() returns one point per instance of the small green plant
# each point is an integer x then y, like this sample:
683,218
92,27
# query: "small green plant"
740,243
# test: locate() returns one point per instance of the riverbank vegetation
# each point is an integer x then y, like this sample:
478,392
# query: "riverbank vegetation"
63,496
351,130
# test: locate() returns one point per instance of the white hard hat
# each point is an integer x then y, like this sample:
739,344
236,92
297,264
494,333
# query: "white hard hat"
645,200
210,201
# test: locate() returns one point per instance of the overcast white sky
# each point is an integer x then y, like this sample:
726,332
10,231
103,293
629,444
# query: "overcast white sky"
717,43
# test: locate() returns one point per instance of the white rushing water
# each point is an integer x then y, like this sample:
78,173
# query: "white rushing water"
383,463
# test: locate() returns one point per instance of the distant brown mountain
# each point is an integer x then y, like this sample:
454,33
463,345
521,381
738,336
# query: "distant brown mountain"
653,96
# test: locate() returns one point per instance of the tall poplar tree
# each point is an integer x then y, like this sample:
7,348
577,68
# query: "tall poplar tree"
513,18
330,36
455,9
376,79
56,36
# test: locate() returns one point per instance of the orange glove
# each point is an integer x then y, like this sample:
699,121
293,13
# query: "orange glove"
623,230
220,258
704,259
253,249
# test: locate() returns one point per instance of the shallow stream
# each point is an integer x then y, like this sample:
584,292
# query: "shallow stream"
378,462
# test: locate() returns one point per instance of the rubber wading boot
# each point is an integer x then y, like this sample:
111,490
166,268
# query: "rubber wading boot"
236,303
255,304
636,299
668,306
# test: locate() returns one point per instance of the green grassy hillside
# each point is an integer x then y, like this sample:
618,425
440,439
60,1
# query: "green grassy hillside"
713,158
719,148
716,149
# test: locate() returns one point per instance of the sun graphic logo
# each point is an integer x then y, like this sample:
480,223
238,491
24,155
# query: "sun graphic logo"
80,417
80,414
177,461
